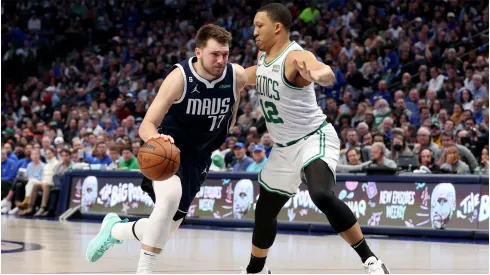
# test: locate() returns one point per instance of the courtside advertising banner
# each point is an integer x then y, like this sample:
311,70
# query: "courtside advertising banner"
417,205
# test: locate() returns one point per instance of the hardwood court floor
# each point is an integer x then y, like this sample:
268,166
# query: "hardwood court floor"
42,246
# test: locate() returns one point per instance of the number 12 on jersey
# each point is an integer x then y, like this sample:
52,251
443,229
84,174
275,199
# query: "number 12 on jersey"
216,118
271,114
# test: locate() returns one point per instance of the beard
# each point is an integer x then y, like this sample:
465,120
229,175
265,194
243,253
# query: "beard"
382,111
213,70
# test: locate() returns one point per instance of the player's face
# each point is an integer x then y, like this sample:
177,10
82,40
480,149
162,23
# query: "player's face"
214,57
264,30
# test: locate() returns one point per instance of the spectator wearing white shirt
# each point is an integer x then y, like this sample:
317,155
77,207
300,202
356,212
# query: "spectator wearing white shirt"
436,79
479,90
34,24
45,185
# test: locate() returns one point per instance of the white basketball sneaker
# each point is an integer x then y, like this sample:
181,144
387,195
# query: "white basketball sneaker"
265,270
5,203
375,266
14,211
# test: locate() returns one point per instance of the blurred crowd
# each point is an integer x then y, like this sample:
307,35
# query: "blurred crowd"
411,86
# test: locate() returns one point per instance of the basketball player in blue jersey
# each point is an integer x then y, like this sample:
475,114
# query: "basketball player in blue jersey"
194,108
305,144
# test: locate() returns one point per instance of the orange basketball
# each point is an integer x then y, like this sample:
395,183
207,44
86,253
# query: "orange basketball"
159,159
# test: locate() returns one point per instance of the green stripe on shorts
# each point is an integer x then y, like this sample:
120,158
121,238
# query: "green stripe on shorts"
274,190
321,154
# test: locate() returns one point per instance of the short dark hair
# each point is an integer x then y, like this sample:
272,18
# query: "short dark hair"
215,32
353,149
127,148
115,148
448,133
277,12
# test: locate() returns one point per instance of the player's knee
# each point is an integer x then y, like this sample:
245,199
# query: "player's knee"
322,197
338,213
168,190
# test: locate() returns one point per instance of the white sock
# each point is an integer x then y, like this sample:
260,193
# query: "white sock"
124,231
146,262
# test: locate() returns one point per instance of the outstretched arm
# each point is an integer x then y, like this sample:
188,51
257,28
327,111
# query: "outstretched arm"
311,69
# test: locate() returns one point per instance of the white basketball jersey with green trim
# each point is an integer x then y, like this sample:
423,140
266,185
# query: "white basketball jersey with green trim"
290,112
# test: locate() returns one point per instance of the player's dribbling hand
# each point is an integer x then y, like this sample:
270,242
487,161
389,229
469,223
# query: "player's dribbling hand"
165,137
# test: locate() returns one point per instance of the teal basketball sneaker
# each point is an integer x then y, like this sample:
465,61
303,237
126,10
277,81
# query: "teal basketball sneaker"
104,240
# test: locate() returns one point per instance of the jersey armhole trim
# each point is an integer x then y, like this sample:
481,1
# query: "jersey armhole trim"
234,82
283,75
185,84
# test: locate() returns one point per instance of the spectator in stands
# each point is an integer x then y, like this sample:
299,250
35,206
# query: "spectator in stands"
258,155
62,167
382,93
399,148
362,110
136,145
78,147
102,156
483,167
9,170
94,126
10,154
424,140
453,164
266,140
230,155
129,161
34,174
378,159
46,144
381,111
352,139
465,154
242,160
426,162
44,185
436,62
115,154
479,90
246,120
353,156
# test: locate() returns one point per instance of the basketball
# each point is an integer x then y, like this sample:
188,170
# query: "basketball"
159,159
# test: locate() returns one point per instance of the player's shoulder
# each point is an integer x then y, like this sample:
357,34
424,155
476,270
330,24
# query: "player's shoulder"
299,55
175,77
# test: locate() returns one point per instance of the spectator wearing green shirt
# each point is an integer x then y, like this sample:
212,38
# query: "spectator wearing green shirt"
258,155
309,14
129,161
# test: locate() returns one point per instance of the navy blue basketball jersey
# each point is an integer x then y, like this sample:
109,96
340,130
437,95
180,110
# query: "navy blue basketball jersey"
200,119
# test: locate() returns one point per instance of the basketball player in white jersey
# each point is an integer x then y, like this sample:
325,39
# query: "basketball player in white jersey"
304,141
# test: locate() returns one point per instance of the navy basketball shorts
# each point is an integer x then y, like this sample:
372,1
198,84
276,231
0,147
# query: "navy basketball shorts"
192,173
